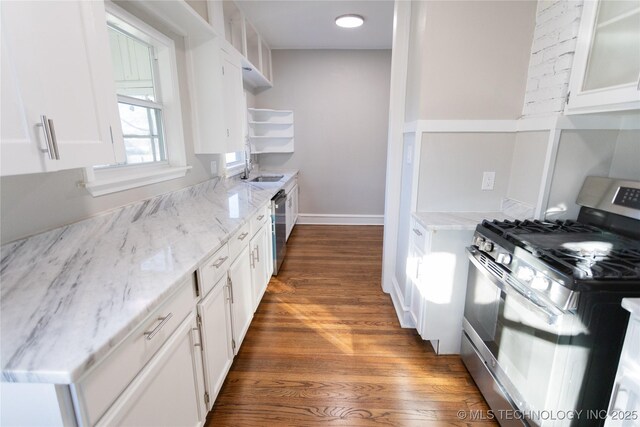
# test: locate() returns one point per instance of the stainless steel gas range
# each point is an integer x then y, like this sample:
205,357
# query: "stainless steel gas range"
543,326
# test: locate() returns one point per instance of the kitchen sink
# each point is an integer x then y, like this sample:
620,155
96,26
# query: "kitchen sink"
267,178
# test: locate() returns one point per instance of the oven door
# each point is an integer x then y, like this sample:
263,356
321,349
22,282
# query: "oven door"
526,345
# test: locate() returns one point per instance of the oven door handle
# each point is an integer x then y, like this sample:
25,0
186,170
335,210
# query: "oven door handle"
510,289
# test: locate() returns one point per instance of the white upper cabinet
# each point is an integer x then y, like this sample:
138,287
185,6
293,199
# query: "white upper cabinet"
234,111
216,97
606,67
206,92
58,96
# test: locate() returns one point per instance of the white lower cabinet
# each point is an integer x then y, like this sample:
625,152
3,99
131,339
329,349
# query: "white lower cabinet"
436,285
292,208
260,261
215,323
169,389
169,370
241,297
624,407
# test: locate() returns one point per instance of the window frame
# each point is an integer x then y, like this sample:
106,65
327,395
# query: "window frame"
121,176
236,167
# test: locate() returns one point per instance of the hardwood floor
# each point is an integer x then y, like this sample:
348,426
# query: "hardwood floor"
325,347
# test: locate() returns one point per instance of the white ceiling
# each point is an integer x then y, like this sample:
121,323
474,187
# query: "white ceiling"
310,24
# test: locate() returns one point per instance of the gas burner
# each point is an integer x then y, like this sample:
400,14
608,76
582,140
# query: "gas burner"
615,264
511,228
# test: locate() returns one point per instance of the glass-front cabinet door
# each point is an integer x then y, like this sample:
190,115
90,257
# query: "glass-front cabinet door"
606,69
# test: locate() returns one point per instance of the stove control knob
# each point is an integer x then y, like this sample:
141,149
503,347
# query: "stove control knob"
504,259
478,241
487,246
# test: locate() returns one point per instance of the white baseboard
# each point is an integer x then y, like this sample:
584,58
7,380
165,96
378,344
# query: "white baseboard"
404,317
339,219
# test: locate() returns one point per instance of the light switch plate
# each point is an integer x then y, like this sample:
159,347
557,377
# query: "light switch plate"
488,180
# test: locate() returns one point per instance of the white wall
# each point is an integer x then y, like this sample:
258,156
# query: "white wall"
451,168
580,153
626,158
554,44
527,166
30,204
340,100
468,59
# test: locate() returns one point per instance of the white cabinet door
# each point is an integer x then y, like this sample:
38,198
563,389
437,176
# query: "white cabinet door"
56,63
292,209
294,204
168,391
241,296
606,68
259,257
269,243
215,326
415,288
234,110
217,98
206,92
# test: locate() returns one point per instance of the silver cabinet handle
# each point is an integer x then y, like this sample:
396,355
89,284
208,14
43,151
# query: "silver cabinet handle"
220,261
230,284
54,139
257,254
260,217
243,235
44,122
415,230
155,330
227,297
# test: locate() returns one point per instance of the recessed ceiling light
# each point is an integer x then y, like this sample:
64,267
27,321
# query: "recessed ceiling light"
349,21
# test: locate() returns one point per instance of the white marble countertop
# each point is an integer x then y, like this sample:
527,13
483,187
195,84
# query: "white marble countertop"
71,294
632,305
456,220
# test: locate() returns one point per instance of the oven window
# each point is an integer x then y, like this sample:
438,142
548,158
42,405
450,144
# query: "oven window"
532,353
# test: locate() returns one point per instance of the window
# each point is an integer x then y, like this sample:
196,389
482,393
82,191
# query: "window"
234,162
151,146
139,102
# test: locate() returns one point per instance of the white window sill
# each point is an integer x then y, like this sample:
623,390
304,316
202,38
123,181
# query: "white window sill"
233,170
106,181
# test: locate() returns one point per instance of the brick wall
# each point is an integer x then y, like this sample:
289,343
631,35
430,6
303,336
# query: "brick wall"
554,44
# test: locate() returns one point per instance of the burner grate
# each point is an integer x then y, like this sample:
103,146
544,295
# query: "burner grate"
511,228
615,264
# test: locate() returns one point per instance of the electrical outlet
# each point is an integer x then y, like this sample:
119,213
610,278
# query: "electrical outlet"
214,168
488,180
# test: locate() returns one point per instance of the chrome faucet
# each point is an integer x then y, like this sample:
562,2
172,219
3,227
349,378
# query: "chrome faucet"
247,158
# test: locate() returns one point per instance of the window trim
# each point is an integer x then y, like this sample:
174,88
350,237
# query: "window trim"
120,177
237,167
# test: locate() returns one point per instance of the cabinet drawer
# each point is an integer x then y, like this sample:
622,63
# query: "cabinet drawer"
418,235
260,218
239,240
103,384
213,269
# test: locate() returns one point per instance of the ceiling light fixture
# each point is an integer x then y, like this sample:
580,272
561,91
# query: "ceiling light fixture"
349,21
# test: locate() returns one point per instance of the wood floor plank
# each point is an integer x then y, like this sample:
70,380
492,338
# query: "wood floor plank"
325,348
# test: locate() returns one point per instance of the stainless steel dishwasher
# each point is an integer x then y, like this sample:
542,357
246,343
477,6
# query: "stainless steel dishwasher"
279,217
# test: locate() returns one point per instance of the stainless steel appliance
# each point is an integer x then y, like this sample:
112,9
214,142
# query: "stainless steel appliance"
279,221
543,326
